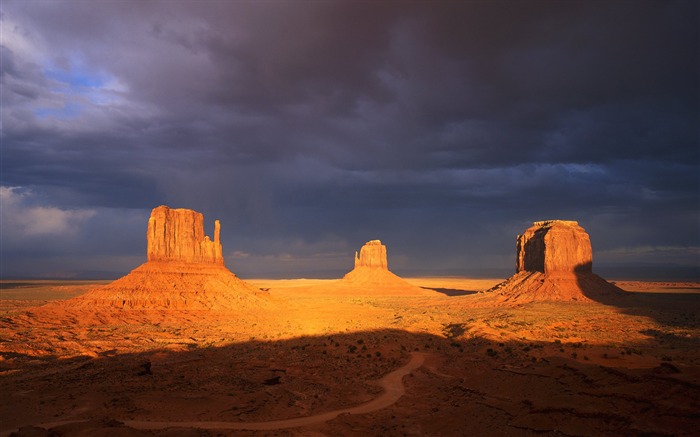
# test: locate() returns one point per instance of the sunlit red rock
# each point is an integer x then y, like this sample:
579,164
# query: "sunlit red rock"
371,274
554,246
178,235
185,270
372,254
554,261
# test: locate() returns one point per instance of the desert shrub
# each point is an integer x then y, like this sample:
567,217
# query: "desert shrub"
453,330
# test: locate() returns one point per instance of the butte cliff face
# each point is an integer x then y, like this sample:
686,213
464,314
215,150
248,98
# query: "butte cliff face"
185,270
554,261
554,246
178,235
372,254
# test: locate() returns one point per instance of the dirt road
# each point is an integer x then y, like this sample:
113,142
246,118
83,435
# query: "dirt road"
392,383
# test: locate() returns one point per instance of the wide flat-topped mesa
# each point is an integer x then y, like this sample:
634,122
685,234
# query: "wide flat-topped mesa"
178,235
554,261
554,246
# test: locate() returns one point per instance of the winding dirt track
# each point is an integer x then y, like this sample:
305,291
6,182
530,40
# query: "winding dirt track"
392,384
393,390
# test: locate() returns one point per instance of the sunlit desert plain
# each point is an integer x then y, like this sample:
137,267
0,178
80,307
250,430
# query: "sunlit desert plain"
173,349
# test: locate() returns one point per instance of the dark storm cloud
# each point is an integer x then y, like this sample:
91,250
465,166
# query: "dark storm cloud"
443,128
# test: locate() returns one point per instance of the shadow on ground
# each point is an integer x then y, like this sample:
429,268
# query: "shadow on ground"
451,291
468,385
672,309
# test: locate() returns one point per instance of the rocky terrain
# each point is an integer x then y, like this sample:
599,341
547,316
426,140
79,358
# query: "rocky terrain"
183,347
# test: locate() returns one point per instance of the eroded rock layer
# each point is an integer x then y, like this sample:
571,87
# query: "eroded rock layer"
527,287
175,285
554,262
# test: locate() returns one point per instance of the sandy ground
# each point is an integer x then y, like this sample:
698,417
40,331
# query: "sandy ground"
629,367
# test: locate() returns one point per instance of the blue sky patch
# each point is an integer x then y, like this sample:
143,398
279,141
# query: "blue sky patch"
76,76
69,110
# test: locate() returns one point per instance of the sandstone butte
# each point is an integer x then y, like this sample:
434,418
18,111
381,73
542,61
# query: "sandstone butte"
178,235
554,261
184,270
371,274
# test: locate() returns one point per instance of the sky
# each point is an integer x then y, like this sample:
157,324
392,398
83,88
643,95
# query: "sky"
310,127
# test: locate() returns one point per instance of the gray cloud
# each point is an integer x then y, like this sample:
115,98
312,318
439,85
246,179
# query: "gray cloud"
442,128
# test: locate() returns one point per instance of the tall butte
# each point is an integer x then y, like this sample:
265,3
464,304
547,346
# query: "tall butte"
372,255
371,274
554,261
184,270
177,235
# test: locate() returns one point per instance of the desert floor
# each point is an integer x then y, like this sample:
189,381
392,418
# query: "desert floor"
625,367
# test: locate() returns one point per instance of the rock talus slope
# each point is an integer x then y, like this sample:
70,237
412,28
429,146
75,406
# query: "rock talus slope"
554,261
185,270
